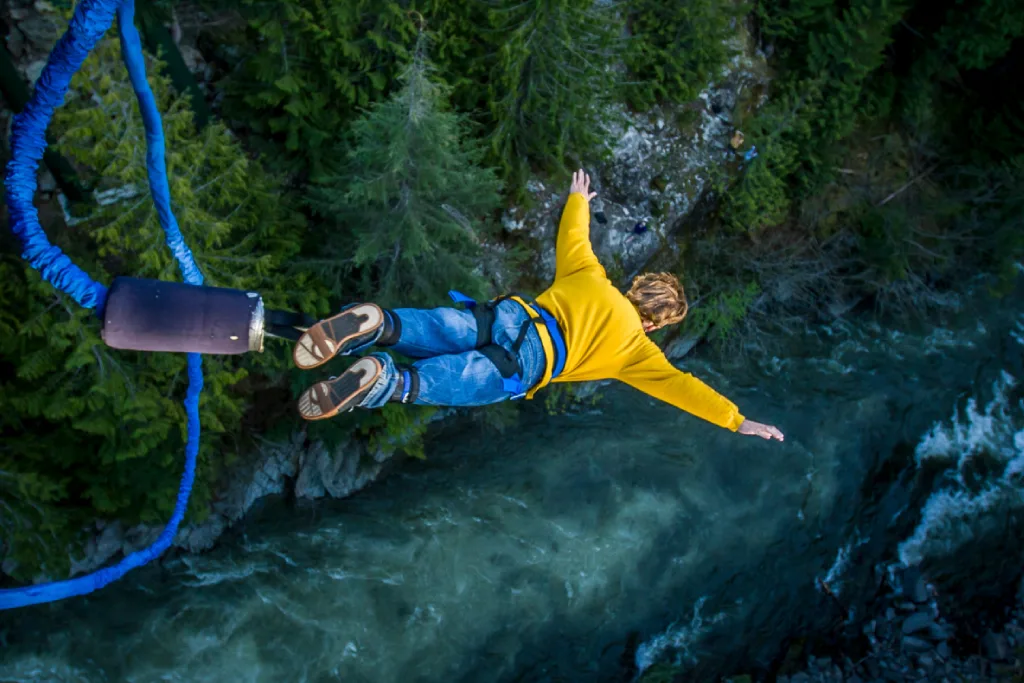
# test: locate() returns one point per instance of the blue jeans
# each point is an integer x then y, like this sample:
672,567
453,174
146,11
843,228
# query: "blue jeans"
452,372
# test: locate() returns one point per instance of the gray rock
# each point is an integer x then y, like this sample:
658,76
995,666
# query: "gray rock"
47,182
679,347
33,70
854,679
890,614
918,590
918,621
943,650
337,474
872,667
912,644
15,42
927,662
893,676
800,678
995,647
200,537
939,632
39,32
99,549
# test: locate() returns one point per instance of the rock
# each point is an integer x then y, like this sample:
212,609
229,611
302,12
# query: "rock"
939,632
201,537
907,606
40,33
680,346
872,667
193,58
33,70
915,587
943,650
893,676
912,644
47,182
99,549
854,679
918,621
15,42
337,474
890,614
995,647
800,678
926,662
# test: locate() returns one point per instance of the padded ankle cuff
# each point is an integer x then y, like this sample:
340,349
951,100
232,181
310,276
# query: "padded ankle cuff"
392,331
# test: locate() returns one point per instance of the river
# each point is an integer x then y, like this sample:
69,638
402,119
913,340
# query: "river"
580,547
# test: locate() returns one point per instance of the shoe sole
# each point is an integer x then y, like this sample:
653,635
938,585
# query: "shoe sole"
335,335
324,400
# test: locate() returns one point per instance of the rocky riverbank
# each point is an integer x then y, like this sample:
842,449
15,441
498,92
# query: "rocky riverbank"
909,639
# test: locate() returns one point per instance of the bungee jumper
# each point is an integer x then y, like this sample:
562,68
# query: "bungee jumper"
580,329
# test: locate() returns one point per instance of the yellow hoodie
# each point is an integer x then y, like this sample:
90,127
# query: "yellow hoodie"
604,335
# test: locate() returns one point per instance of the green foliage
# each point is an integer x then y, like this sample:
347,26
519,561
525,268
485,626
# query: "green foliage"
717,316
312,66
397,428
677,48
661,673
92,432
830,53
551,83
560,398
407,214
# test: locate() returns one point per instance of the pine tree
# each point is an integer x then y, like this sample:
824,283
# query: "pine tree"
675,49
831,55
408,212
552,82
313,66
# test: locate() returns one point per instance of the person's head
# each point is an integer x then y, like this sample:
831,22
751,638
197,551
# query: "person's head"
659,299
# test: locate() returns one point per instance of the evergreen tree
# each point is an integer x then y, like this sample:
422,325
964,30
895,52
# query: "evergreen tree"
313,66
407,214
676,48
90,432
831,54
552,82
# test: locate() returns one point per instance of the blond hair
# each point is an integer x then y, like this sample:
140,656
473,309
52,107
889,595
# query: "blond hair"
659,298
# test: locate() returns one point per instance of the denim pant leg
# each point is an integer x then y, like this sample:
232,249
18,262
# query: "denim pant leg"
462,379
435,332
430,332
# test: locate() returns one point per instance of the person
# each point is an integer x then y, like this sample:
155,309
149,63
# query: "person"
582,328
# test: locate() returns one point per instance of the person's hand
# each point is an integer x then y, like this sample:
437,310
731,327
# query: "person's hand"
581,184
757,429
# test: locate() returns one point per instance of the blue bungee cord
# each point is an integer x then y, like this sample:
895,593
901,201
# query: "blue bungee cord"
91,20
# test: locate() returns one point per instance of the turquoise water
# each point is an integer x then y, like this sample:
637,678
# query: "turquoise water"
579,547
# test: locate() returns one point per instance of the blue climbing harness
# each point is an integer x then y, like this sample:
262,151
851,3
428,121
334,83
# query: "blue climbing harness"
91,20
508,362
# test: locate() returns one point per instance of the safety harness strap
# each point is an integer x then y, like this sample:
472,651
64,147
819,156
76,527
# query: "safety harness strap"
508,362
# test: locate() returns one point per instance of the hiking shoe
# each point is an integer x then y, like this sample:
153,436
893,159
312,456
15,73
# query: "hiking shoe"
338,335
327,399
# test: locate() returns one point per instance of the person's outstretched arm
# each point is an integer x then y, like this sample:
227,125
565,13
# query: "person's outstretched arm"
573,252
655,376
